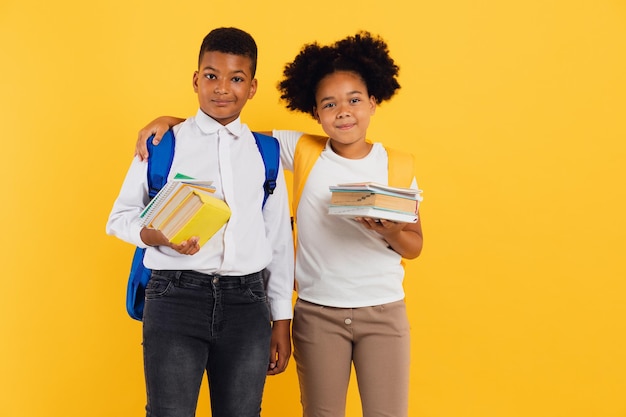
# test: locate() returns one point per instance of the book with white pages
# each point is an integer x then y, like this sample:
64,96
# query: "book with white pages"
409,193
170,189
373,212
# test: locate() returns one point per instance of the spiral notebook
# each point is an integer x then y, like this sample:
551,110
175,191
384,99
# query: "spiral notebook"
168,190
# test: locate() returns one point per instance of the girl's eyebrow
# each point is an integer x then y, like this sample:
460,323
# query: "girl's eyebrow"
350,93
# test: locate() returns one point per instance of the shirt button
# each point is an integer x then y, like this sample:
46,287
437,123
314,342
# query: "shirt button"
347,321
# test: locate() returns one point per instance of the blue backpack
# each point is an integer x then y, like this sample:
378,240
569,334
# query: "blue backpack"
159,163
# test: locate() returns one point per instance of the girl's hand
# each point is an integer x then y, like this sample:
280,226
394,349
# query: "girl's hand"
382,226
157,127
404,238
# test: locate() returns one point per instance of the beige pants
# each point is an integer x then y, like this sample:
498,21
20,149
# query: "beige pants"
328,340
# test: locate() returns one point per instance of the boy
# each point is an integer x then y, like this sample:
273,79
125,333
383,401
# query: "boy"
207,308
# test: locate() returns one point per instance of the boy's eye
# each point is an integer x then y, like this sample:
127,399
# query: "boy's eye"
210,76
237,79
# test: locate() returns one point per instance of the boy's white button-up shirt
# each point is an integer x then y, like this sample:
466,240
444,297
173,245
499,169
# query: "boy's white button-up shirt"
252,239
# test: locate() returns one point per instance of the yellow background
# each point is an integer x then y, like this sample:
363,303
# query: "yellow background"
514,110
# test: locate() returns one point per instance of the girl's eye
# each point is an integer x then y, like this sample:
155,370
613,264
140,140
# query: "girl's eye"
328,105
355,100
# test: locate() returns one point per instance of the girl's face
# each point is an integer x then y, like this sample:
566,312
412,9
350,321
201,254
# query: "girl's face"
343,108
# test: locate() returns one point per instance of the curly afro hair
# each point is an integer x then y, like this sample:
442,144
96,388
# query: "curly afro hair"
363,54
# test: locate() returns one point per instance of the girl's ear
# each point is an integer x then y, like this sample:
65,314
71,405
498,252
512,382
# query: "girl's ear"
372,105
315,115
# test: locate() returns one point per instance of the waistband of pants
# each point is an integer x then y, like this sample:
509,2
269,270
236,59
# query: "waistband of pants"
207,280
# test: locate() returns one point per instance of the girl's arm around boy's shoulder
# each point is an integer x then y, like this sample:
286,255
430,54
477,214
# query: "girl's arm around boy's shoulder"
288,140
157,127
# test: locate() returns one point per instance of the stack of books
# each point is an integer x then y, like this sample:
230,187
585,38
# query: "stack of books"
185,208
378,201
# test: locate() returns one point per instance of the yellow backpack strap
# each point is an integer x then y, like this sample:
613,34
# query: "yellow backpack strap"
401,168
401,165
308,150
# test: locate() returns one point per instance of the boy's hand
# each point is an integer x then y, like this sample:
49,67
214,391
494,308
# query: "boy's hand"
187,247
155,237
280,348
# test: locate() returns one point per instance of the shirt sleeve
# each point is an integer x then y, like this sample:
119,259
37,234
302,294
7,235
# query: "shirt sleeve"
124,222
280,285
288,140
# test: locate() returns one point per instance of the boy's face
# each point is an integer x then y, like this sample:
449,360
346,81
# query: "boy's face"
343,107
224,84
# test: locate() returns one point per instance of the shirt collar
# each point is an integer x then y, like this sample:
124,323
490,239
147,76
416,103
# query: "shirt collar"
207,124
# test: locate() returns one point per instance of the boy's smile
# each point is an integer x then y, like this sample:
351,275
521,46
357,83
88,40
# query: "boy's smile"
224,84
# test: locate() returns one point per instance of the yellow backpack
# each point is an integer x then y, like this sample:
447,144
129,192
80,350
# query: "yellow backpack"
309,147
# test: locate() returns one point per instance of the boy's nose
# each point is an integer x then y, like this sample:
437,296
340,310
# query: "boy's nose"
220,87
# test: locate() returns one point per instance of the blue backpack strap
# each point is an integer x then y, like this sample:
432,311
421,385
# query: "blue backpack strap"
270,152
159,163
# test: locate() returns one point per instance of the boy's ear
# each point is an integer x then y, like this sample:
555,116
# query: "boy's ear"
195,81
253,86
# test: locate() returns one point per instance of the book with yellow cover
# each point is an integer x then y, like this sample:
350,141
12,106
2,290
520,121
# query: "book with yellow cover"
173,200
171,189
191,212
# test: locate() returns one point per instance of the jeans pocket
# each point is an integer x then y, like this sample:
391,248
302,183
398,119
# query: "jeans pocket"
256,291
157,287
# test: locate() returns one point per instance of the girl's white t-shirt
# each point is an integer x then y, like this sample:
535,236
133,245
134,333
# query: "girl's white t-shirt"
340,263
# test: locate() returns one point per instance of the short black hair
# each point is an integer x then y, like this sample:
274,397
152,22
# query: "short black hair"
363,54
230,40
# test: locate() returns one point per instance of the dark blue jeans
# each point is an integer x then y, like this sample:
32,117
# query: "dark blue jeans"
194,323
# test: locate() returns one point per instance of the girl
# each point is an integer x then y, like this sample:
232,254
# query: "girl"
350,308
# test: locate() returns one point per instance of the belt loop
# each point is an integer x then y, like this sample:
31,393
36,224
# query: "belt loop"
177,276
242,280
